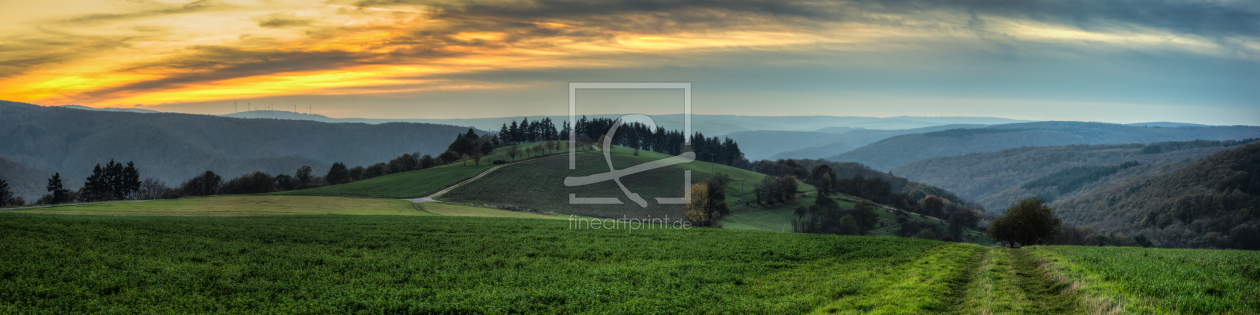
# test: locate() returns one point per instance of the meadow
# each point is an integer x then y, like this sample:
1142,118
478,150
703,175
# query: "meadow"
1159,281
238,205
410,184
406,264
539,184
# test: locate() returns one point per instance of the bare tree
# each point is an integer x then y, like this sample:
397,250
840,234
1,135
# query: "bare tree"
151,189
513,151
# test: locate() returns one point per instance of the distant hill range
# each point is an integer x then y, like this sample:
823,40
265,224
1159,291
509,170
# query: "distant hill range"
1210,203
902,150
822,145
998,179
36,141
710,125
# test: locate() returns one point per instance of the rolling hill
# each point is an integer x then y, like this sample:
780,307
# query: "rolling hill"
174,147
901,150
1211,203
846,141
708,124
997,179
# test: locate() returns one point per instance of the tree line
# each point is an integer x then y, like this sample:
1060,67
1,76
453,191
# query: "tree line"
119,181
633,135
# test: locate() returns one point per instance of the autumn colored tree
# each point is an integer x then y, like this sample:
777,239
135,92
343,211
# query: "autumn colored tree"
697,212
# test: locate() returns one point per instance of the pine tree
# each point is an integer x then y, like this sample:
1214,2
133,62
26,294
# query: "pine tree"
5,193
57,190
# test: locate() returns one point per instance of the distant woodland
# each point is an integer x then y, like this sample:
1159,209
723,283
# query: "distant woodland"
895,152
175,147
1211,203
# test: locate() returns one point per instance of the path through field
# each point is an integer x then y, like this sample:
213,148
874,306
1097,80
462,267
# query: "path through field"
431,198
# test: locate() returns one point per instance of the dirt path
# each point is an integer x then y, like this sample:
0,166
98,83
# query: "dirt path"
1042,295
432,197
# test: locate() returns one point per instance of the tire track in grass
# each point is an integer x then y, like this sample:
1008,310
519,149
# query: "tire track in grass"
1043,295
992,289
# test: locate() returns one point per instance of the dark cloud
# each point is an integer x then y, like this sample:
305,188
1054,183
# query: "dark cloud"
1203,18
282,20
157,9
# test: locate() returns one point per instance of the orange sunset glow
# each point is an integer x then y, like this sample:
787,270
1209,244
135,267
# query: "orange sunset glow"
157,53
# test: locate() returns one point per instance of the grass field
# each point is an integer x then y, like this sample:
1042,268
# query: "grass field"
1159,281
446,209
539,184
239,205
412,184
402,264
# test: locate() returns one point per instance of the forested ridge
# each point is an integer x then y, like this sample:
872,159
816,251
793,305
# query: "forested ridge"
891,153
1211,203
997,179
174,147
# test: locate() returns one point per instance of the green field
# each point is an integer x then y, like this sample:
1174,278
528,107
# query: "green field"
251,254
238,205
539,184
1159,281
446,209
402,264
411,184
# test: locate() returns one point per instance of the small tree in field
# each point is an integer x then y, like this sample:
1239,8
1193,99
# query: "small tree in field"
477,157
513,151
1028,222
697,211
464,159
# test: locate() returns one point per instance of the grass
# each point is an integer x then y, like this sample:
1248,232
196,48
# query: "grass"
433,264
447,209
1164,281
993,289
238,205
411,184
539,184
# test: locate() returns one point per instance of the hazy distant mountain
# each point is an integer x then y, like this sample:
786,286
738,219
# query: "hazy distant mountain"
1165,124
997,179
901,150
760,144
1211,203
710,125
853,139
174,147
110,109
26,181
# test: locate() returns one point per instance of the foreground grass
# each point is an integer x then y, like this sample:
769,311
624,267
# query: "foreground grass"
446,209
400,264
1157,281
412,184
239,205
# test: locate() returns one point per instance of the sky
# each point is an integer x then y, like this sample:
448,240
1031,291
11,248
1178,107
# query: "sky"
1112,61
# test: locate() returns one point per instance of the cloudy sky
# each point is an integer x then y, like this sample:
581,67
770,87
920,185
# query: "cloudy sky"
1115,61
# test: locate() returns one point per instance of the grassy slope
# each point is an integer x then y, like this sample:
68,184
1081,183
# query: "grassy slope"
239,205
412,184
539,184
1163,281
398,264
